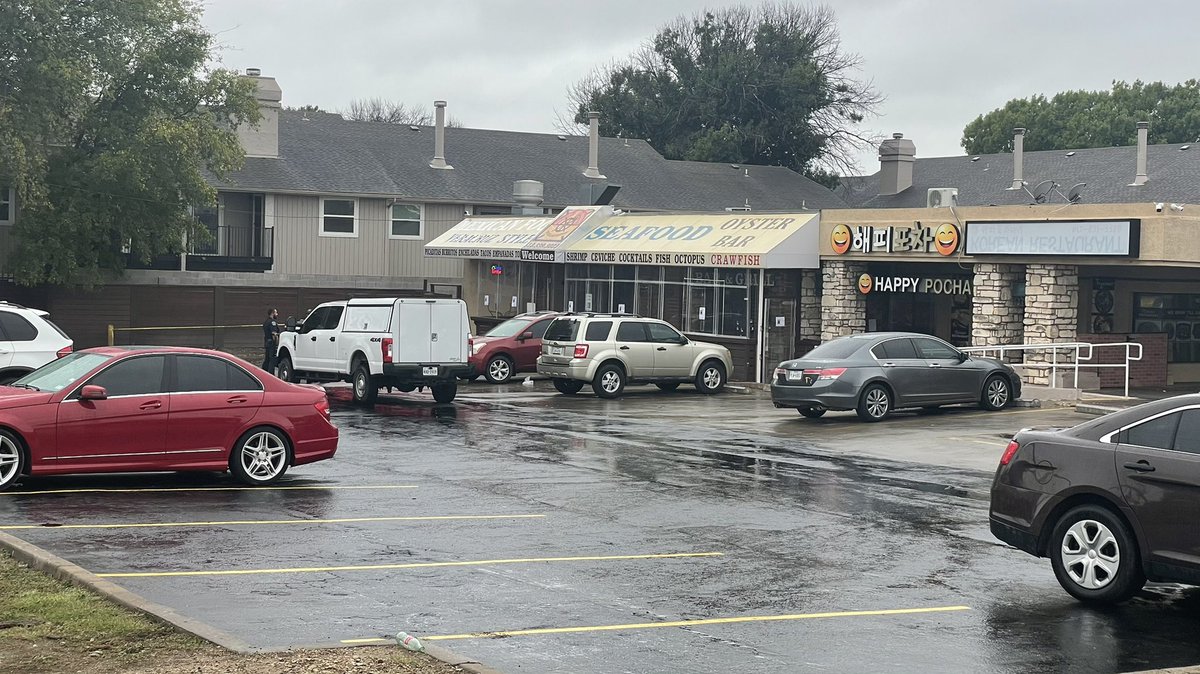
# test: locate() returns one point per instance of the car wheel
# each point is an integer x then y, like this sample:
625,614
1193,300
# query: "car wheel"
609,381
568,387
499,370
813,412
284,368
1094,556
444,392
875,403
667,385
260,457
711,377
997,393
362,387
12,459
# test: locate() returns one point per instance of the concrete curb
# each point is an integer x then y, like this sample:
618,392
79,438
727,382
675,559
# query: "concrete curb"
57,567
1095,409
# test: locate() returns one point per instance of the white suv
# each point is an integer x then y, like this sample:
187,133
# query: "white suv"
612,350
28,340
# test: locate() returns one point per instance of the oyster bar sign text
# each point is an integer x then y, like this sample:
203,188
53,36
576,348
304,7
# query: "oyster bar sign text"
684,259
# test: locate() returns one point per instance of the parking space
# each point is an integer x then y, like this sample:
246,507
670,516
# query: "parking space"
658,532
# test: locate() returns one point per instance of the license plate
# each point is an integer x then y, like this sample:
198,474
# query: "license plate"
429,371
795,375
556,351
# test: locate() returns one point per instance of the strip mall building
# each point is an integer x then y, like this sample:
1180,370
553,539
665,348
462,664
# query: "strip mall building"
965,248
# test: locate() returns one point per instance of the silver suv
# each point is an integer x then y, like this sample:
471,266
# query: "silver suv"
610,351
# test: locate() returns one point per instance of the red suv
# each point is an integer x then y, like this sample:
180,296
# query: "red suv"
511,347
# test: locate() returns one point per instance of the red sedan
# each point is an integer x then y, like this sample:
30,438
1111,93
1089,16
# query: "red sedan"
140,409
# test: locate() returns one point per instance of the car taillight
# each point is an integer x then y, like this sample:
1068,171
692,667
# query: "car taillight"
63,351
780,372
827,373
1009,452
581,350
323,407
386,346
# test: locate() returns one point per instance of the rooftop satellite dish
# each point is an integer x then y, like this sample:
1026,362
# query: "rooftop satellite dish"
1041,190
1075,194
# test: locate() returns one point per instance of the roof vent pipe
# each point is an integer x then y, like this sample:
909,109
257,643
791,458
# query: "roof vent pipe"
1018,159
528,195
439,137
1143,130
593,169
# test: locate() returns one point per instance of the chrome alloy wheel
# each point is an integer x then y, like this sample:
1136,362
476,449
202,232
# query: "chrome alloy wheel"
10,460
878,403
499,370
1090,554
264,456
610,381
997,393
711,377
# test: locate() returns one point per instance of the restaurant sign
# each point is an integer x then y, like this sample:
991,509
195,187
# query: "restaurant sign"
913,284
918,237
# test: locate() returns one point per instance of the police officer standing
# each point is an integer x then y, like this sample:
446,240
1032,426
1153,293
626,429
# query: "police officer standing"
270,340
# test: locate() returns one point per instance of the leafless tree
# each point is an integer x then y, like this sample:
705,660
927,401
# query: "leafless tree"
391,112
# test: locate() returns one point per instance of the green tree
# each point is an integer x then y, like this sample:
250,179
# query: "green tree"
109,120
763,85
1078,119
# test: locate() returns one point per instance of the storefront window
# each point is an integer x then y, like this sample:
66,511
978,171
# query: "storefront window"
677,295
1178,315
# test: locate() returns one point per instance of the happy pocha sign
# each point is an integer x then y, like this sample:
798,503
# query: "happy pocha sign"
920,238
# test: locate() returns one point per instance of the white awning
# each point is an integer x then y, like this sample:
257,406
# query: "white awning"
488,237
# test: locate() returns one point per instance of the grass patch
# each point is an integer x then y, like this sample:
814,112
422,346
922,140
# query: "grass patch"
48,626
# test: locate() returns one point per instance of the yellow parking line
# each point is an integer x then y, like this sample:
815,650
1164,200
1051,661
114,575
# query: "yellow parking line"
675,623
150,490
340,520
413,565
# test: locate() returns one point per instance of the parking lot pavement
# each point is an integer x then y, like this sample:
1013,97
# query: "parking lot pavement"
659,532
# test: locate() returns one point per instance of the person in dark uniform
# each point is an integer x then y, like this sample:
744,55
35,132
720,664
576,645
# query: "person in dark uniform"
270,340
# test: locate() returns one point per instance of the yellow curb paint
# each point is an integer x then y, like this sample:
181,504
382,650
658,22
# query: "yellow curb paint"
153,490
676,623
412,565
342,520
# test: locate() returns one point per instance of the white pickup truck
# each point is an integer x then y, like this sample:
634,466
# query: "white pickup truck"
405,343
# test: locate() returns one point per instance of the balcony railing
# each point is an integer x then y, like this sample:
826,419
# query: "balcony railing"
224,249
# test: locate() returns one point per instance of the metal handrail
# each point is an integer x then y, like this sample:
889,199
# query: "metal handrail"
1078,352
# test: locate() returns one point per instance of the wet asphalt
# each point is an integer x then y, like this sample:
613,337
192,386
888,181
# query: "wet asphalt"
781,544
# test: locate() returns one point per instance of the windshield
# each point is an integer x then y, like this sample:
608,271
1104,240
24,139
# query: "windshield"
508,328
59,374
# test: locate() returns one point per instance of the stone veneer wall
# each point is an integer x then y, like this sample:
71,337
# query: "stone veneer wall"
843,308
998,314
1051,312
810,304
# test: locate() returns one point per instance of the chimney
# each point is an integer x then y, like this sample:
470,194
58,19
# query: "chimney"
896,158
262,140
439,137
527,195
593,169
1018,159
1143,129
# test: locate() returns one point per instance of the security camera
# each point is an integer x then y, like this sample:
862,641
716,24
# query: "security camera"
1176,207
1158,207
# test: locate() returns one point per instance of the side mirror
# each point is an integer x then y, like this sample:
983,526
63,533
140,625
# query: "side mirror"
963,357
93,392
524,336
291,323
683,340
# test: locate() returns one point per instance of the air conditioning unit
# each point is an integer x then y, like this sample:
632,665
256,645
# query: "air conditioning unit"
941,197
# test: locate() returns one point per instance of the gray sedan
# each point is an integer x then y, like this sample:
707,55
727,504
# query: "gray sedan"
876,373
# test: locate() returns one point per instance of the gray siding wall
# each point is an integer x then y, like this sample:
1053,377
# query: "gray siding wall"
300,248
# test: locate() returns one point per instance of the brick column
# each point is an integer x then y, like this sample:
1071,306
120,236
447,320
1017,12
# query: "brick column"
843,307
1051,312
998,314
810,304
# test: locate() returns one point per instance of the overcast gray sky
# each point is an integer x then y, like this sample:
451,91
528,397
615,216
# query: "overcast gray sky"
506,64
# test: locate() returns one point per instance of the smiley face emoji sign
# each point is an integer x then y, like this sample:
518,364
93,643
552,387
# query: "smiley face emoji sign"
840,239
945,239
865,283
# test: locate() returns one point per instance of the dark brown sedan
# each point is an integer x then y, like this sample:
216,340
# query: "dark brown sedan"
1112,502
